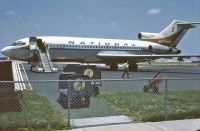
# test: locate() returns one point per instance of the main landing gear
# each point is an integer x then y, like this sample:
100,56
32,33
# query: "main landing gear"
132,67
113,67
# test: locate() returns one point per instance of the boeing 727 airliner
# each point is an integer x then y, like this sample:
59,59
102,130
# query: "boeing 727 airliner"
92,50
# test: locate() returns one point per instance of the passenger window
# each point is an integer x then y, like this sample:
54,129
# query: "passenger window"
19,43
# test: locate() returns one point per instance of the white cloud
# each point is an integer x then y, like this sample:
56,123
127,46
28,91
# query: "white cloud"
80,17
37,25
154,11
113,24
10,12
85,19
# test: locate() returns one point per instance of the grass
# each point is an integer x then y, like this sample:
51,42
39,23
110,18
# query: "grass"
37,113
150,107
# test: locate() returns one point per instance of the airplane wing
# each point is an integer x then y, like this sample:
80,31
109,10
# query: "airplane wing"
137,57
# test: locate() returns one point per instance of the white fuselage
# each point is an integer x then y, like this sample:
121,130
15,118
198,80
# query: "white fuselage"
83,49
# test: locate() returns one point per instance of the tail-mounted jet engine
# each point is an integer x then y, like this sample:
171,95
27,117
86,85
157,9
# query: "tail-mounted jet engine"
146,35
160,49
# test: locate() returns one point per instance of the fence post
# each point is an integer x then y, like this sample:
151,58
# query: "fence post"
165,101
68,104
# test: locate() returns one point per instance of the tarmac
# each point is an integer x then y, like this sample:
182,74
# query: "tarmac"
178,125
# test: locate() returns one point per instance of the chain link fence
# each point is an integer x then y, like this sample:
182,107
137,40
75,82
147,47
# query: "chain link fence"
82,102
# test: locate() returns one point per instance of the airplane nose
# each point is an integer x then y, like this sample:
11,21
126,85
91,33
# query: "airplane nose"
5,51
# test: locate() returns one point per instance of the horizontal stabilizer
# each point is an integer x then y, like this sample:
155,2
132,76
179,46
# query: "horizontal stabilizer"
188,25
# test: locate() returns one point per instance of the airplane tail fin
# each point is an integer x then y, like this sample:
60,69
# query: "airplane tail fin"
171,35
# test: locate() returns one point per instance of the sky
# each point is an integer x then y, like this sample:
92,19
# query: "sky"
115,19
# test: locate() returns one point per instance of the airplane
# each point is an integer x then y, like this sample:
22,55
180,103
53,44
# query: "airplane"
112,52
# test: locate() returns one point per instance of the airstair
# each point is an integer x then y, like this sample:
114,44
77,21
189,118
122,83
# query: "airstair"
39,48
46,62
153,84
21,76
25,77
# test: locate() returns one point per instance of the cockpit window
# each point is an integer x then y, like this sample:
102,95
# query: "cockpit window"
18,43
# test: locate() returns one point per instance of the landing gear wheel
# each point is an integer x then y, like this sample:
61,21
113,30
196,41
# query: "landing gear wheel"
133,67
113,67
31,68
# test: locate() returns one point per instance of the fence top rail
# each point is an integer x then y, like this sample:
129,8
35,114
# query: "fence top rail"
101,80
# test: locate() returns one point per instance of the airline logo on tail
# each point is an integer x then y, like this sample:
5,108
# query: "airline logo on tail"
171,35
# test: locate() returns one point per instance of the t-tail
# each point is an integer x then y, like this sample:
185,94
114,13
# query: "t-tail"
171,35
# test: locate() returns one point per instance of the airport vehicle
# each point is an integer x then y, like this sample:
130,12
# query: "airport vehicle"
92,71
44,49
79,92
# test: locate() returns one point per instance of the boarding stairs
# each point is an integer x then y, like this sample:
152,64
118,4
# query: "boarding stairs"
40,49
46,62
22,81
153,84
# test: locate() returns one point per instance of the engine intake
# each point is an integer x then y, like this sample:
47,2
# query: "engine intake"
146,35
